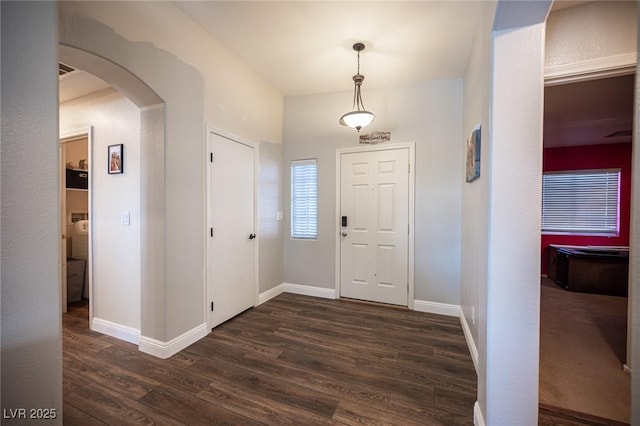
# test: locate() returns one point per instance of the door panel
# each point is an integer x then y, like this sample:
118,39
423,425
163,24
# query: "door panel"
385,214
360,206
374,252
386,256
231,260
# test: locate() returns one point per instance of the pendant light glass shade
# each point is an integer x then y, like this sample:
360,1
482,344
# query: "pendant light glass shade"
359,117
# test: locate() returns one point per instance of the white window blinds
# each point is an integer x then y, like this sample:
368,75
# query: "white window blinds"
304,199
581,202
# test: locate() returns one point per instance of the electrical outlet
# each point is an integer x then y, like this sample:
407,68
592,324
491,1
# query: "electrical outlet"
279,215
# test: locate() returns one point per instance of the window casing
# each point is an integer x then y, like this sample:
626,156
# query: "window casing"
581,202
304,199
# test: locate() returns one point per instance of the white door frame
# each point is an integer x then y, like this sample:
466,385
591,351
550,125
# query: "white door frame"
65,137
412,158
208,215
594,69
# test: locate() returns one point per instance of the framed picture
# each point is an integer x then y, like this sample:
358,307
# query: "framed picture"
473,156
115,159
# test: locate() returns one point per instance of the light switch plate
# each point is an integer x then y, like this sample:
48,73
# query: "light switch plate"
125,218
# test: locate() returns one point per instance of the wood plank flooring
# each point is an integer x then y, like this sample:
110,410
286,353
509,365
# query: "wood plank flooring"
294,360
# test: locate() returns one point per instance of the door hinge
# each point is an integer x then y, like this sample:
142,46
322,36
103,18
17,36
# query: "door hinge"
211,157
211,306
211,232
408,228
409,168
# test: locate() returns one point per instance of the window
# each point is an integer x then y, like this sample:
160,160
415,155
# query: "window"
582,202
304,199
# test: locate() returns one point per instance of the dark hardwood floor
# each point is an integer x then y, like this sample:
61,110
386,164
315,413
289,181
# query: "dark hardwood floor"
294,360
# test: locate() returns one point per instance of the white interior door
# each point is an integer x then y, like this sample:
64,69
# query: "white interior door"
231,277
374,248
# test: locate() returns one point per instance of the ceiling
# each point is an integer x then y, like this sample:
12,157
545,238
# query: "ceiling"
79,83
304,47
589,113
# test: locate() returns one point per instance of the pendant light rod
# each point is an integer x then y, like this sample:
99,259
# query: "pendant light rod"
358,47
358,79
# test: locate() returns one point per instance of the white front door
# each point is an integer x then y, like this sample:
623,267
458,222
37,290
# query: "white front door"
231,274
374,248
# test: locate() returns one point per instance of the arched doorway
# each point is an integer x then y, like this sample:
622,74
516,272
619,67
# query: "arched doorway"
149,179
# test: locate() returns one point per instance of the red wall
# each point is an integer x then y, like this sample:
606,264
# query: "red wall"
592,157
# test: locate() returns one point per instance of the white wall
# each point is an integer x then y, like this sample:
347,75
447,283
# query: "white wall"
235,97
475,195
500,279
429,114
475,204
513,286
200,82
116,248
30,219
270,229
590,31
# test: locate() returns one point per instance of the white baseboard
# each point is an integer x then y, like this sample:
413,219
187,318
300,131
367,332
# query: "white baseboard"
307,290
469,338
167,349
436,308
122,332
478,418
270,294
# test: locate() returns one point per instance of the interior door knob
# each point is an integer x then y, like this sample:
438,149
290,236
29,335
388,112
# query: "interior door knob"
344,233
252,236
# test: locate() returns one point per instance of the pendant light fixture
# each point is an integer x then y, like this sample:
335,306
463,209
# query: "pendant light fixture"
359,117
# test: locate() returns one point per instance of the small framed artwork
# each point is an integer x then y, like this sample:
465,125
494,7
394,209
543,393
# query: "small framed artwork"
473,156
116,159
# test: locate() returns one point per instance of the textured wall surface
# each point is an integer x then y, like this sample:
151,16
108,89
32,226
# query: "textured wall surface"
590,31
513,293
475,195
30,217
